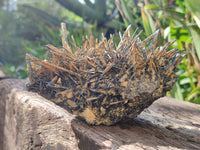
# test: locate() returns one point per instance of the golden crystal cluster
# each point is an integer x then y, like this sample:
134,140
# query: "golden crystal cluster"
103,83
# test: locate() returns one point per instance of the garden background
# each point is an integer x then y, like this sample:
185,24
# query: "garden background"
29,25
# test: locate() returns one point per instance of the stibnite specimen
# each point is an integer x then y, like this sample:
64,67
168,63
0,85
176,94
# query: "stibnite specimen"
103,83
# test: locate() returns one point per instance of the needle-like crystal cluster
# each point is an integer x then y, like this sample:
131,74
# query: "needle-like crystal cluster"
101,83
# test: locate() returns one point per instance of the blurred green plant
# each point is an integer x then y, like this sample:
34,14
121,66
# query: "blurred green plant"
11,47
19,72
22,31
178,20
36,24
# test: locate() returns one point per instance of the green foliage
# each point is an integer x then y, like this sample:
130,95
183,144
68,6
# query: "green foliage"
36,24
176,21
19,72
11,46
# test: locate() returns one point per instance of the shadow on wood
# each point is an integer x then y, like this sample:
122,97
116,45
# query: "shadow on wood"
29,121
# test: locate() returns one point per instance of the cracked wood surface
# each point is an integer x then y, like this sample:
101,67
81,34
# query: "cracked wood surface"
29,121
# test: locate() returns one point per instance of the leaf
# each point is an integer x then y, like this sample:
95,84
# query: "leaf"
192,94
180,33
28,49
187,81
194,7
151,21
197,20
158,3
151,6
196,39
166,32
127,12
173,13
146,19
176,92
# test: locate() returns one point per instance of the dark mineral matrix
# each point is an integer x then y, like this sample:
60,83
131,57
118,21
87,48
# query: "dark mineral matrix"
103,83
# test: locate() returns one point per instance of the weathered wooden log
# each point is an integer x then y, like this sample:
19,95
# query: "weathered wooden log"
29,121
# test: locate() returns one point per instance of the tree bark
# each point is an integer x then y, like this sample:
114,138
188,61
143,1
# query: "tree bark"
45,16
84,11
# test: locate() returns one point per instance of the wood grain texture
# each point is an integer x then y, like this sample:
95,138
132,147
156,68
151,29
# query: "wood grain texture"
29,121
